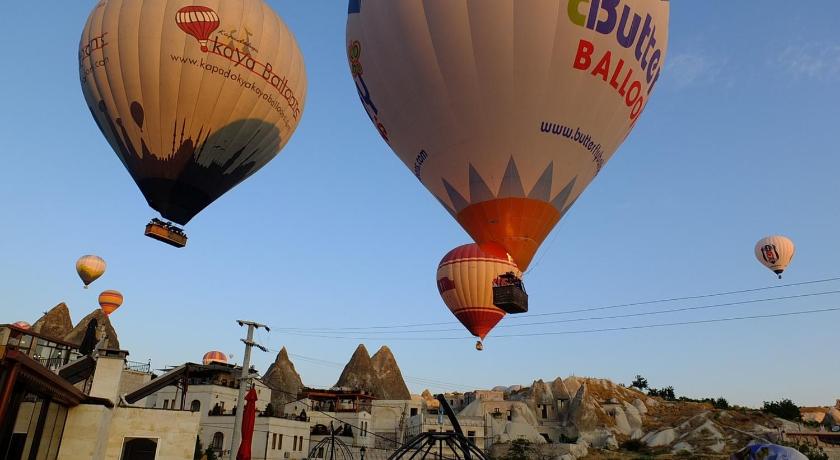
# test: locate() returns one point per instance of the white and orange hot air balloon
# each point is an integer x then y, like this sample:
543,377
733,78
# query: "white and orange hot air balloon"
109,301
22,325
775,252
214,357
90,268
194,96
506,110
465,280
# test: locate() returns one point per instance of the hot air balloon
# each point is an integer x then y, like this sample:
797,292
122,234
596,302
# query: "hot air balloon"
90,268
22,325
506,110
193,98
465,279
775,253
214,357
109,301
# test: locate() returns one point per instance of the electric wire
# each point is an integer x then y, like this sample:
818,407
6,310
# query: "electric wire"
577,310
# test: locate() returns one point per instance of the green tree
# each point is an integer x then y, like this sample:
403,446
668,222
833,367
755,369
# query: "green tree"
785,409
640,382
211,454
198,449
666,393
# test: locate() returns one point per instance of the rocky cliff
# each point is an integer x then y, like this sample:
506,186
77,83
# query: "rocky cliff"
359,374
284,381
391,379
76,335
55,323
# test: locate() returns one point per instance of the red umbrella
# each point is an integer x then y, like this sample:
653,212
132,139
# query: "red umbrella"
248,417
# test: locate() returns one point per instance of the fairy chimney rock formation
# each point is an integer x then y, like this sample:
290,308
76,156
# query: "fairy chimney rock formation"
284,381
78,333
359,374
390,377
55,324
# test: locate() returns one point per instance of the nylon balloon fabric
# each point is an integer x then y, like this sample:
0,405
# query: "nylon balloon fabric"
194,97
506,110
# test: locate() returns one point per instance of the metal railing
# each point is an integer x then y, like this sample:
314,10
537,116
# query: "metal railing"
139,367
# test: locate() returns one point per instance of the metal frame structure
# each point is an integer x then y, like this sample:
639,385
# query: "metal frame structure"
439,445
334,448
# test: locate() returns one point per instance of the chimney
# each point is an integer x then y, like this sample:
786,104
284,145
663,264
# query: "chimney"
108,374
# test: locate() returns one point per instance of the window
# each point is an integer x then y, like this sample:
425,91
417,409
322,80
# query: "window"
544,411
195,406
294,443
274,441
508,416
432,430
280,443
139,449
166,404
471,436
218,441
413,411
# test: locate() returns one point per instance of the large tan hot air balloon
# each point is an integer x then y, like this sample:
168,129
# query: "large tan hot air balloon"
465,279
193,96
775,252
506,110
90,268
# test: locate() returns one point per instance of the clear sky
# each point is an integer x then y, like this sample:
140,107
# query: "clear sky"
739,141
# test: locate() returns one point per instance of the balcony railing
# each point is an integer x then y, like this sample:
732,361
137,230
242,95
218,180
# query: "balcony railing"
138,366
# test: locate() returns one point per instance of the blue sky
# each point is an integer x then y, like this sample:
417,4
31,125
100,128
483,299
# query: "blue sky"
739,141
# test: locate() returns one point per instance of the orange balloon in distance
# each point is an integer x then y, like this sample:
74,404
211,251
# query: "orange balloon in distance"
22,325
109,301
465,282
214,357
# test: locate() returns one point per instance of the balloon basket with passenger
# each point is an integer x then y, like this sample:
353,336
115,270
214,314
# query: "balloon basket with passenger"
509,294
166,232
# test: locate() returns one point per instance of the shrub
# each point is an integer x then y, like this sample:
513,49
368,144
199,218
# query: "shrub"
785,409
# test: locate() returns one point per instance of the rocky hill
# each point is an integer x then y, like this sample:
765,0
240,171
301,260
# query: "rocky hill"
600,416
386,369
76,335
284,381
359,374
55,323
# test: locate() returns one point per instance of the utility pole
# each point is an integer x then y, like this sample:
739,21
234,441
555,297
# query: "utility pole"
243,378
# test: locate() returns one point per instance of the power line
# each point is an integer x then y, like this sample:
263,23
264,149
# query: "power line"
644,326
412,379
626,315
580,310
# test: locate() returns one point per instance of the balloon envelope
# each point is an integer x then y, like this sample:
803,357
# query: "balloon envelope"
775,253
22,325
109,301
465,282
90,268
192,98
214,357
768,452
506,110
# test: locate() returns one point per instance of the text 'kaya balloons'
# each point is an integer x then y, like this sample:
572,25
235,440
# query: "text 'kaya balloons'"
465,279
90,268
775,253
506,110
194,97
109,301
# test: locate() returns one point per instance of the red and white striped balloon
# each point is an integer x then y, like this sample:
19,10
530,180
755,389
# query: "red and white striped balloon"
465,281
